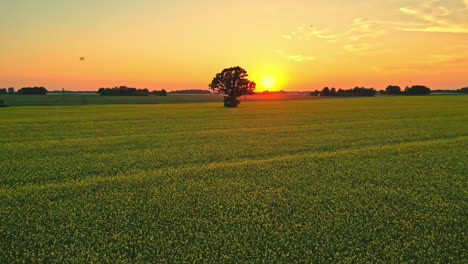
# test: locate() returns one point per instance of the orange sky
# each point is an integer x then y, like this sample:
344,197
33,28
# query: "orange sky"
182,44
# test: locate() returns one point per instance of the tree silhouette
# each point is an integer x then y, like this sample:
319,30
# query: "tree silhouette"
160,93
233,83
325,92
123,91
417,90
392,89
11,90
33,91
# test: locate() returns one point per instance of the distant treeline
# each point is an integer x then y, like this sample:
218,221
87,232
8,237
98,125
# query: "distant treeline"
190,92
10,90
357,91
127,91
24,91
462,90
413,90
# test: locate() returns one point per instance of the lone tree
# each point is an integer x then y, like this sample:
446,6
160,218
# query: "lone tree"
233,83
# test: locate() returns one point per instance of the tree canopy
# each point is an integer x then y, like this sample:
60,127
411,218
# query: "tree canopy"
357,91
233,83
123,91
33,91
417,90
393,89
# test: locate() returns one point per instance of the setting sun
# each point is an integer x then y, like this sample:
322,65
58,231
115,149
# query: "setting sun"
268,82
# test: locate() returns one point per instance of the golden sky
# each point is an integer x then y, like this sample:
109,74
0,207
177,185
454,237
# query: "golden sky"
182,44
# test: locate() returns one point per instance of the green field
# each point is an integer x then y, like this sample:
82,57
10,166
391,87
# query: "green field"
95,99
352,180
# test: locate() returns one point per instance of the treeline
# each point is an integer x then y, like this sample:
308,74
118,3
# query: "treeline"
357,91
24,91
413,90
462,90
127,91
4,91
191,92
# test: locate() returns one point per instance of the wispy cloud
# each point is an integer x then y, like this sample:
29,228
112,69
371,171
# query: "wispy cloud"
438,16
359,38
363,28
363,35
295,57
308,32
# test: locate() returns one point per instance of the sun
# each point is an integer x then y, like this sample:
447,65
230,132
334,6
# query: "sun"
268,82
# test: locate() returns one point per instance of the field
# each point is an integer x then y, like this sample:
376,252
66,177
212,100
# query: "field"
354,180
95,99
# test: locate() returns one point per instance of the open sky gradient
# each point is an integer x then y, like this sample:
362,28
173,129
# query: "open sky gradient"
182,44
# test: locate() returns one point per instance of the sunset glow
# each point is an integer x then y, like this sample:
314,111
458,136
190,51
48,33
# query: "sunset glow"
181,44
268,82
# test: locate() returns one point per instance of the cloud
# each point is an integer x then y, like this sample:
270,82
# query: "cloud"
307,32
301,58
360,47
363,28
295,57
438,16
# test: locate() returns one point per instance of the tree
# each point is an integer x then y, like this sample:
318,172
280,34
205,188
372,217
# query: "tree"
325,92
333,92
233,83
392,89
3,91
33,91
417,90
160,93
11,90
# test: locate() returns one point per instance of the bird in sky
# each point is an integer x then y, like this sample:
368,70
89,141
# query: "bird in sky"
82,58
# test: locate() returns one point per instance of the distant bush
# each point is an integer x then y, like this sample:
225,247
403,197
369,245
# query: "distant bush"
123,91
190,92
160,93
33,91
417,90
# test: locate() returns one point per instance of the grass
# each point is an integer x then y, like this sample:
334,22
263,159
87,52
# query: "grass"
94,99
380,180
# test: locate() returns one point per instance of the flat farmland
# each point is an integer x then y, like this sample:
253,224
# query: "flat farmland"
342,180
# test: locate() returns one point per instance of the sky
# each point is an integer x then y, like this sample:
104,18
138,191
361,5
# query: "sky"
181,44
